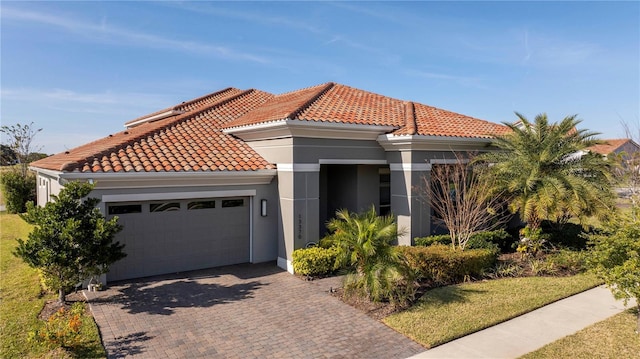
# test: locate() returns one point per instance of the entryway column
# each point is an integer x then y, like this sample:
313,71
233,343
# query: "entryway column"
413,214
298,185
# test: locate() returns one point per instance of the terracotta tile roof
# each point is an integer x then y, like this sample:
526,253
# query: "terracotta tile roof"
189,137
281,107
191,105
189,142
432,121
609,146
343,104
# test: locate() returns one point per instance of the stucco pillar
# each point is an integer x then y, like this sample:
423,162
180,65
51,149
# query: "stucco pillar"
298,186
413,214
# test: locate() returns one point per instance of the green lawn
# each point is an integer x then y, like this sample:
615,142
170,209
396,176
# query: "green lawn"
22,300
447,313
611,338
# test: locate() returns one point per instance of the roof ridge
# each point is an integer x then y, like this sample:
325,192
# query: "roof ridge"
313,99
185,103
410,117
159,126
177,107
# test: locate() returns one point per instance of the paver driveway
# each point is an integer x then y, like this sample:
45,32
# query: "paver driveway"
243,311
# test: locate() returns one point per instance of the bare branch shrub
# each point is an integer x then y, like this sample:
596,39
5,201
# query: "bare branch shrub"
462,200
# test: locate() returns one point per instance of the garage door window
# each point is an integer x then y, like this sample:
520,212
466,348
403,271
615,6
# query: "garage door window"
164,207
232,202
201,205
125,209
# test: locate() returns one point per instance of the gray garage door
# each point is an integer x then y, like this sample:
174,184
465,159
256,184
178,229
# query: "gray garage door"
179,235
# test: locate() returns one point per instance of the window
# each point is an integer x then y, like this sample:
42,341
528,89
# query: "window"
164,207
201,205
125,209
385,191
232,202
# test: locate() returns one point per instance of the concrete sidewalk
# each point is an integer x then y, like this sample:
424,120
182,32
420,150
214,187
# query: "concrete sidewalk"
533,330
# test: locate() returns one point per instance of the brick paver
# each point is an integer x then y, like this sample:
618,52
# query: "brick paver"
243,311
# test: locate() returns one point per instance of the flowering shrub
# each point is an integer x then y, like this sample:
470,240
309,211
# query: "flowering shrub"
531,241
62,329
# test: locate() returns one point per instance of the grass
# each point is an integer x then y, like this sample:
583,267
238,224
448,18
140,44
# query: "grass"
611,338
446,313
22,300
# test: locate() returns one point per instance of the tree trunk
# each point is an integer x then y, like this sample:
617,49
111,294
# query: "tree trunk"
638,323
61,295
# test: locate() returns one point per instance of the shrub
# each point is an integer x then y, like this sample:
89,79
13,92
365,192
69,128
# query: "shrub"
542,267
568,235
506,269
498,239
62,329
430,240
366,245
18,190
443,265
315,261
532,241
494,240
568,261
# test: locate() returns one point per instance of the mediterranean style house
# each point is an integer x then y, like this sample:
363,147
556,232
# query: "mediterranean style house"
247,176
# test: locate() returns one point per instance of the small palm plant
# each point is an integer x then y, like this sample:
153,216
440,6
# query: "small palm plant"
366,242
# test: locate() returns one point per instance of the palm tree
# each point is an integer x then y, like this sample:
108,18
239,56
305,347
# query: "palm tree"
547,172
366,243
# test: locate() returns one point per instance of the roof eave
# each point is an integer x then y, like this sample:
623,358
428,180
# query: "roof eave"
392,142
155,117
165,179
286,128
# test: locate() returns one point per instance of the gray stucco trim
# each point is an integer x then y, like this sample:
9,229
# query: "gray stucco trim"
164,178
295,128
418,167
176,195
337,161
298,167
432,143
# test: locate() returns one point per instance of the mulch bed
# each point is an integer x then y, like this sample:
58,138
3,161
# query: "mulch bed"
52,306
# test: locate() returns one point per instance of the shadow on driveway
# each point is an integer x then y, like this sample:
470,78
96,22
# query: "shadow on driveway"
164,298
129,345
265,313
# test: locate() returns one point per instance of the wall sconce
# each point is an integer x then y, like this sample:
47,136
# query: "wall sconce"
263,207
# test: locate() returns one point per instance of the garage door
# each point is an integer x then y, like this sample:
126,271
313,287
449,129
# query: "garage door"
179,235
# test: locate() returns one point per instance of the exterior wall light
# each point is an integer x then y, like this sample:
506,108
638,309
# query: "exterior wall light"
263,207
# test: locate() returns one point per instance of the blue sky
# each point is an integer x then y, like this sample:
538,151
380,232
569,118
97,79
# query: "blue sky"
80,70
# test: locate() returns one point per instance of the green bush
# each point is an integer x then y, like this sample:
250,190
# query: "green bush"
568,235
315,261
494,240
430,240
443,265
568,261
18,190
498,239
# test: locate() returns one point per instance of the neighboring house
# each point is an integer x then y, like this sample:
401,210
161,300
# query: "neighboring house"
616,146
247,176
